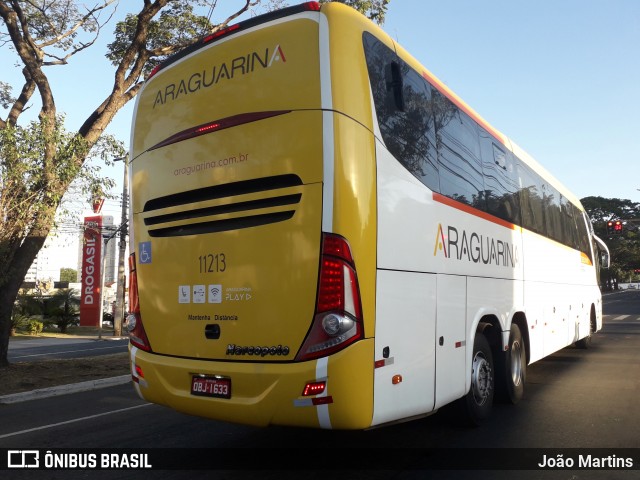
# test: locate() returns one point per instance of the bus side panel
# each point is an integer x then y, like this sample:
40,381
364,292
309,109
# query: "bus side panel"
406,303
405,331
451,371
354,197
558,294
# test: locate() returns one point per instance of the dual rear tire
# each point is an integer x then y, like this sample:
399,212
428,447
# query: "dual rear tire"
494,373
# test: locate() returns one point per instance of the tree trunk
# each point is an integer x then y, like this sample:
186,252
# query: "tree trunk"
13,268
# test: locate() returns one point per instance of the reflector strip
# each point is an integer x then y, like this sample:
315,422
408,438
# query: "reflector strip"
383,362
463,207
312,402
322,367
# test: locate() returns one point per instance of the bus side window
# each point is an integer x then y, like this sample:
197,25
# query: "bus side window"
531,200
405,117
500,180
395,89
459,162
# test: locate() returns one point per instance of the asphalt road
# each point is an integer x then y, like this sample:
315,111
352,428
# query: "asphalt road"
47,348
584,399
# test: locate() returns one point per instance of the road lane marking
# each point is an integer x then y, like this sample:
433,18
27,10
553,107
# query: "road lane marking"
75,420
66,351
620,317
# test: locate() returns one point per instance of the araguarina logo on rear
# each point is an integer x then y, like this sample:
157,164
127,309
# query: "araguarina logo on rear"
213,74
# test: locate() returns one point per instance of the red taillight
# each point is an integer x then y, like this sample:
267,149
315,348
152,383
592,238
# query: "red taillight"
338,319
217,125
221,33
313,388
134,305
313,6
154,71
137,335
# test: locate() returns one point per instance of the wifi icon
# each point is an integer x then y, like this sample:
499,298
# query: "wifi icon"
215,293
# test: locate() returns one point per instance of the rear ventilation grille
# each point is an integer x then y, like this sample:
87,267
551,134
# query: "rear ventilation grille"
188,215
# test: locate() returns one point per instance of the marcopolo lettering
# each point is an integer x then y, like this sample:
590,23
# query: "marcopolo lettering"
257,351
214,74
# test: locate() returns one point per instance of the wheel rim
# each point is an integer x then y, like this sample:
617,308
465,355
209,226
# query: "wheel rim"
516,363
481,378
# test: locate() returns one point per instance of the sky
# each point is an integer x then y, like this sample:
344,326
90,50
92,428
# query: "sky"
561,78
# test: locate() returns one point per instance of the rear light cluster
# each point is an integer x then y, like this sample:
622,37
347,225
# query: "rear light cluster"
137,335
337,322
218,125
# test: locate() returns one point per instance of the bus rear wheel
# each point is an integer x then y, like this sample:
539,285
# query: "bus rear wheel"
477,403
512,368
585,342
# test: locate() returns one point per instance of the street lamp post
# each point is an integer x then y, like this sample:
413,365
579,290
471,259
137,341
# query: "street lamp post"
103,265
122,229
119,313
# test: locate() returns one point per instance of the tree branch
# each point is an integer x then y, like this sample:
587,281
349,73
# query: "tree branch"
19,105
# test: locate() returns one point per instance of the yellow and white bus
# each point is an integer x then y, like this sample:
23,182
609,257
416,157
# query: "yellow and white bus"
325,235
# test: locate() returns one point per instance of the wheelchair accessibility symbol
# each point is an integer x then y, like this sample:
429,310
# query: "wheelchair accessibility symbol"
144,252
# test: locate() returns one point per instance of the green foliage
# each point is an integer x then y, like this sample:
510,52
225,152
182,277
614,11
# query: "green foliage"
625,248
34,327
68,275
32,182
63,308
63,27
177,25
373,9
6,98
19,321
28,305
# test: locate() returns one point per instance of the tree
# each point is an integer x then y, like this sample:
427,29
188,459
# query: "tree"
68,275
624,248
374,9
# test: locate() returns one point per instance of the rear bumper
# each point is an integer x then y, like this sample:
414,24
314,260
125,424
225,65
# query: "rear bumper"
266,393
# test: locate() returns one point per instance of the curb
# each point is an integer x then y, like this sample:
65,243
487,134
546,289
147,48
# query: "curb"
64,389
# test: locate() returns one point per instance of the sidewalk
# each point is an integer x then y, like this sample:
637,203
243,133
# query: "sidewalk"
20,343
64,389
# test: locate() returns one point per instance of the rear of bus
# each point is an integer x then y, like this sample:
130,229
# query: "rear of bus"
245,291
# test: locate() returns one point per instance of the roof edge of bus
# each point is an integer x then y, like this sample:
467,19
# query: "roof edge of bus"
234,28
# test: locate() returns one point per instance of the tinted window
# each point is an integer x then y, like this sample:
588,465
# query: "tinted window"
450,153
459,161
500,180
531,200
570,230
583,234
407,127
552,214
